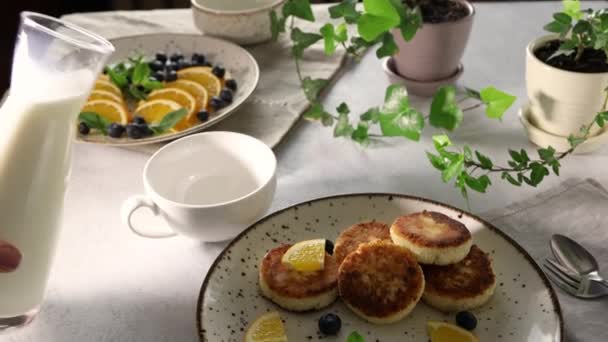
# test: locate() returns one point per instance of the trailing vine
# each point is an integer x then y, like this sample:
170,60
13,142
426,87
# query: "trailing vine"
469,169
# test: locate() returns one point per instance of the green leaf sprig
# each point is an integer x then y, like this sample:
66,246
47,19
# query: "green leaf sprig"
355,337
133,77
95,121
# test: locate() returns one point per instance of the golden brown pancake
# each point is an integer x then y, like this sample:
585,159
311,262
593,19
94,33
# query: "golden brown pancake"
433,237
355,235
294,290
381,282
465,285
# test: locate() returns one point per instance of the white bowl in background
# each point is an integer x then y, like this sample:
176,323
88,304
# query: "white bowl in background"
241,21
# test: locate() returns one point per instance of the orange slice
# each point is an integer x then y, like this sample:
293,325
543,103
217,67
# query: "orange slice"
155,110
110,110
105,95
204,77
195,89
104,77
267,328
181,97
106,85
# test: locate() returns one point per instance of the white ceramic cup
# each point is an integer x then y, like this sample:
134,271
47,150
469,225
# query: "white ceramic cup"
208,186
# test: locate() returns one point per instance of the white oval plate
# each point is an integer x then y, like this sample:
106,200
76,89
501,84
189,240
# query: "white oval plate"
523,308
239,63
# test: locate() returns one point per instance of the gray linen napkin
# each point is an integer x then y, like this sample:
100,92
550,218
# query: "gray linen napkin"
579,209
277,103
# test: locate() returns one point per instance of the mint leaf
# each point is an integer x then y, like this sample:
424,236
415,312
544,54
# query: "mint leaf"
355,337
361,134
379,17
118,77
346,9
497,102
298,8
169,121
396,99
343,128
302,40
95,121
454,168
312,87
277,25
388,47
484,161
152,84
408,123
141,73
441,141
445,113
328,35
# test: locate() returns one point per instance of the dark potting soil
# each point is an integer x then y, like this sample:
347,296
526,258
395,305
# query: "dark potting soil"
439,11
591,61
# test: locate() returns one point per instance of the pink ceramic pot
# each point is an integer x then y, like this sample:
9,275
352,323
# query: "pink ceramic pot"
435,52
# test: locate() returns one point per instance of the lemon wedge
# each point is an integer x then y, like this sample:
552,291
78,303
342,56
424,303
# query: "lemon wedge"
446,332
306,256
267,328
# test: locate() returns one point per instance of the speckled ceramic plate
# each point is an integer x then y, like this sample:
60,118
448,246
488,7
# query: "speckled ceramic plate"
238,63
523,308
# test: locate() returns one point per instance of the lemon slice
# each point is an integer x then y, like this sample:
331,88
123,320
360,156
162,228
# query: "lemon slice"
267,328
204,77
110,110
102,84
155,110
306,256
446,332
105,95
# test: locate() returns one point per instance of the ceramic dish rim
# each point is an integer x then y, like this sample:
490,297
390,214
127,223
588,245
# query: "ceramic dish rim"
204,9
201,297
194,129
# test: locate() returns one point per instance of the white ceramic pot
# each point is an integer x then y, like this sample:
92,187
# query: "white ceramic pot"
562,101
241,21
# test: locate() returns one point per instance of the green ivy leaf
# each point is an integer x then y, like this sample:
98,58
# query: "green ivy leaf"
411,19
538,173
601,118
408,123
95,121
562,18
445,113
346,9
437,161
472,93
316,112
388,47
343,128
372,114
573,9
453,169
468,154
484,161
396,100
379,17
575,141
312,87
303,40
355,337
479,184
361,134
327,31
169,121
343,108
277,25
497,102
547,154
510,179
298,8
441,141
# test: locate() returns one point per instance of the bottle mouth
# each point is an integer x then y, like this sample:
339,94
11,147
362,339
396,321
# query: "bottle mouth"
70,33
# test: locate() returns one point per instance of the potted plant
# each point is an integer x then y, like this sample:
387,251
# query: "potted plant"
567,72
432,56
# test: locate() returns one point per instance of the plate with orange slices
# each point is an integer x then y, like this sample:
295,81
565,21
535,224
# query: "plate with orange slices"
160,87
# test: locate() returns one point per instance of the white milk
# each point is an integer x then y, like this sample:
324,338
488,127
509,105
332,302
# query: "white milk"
36,130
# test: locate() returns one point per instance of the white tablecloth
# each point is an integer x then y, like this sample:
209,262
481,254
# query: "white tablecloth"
110,285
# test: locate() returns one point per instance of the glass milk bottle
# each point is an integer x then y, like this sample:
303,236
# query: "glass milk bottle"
54,68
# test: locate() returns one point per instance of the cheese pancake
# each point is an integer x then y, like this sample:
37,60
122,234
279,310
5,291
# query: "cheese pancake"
294,290
364,232
381,282
434,238
462,286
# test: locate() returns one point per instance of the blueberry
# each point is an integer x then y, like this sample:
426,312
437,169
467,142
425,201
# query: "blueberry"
231,84
134,131
182,64
144,128
139,120
198,59
329,247
157,65
466,320
116,130
330,324
171,76
171,66
159,76
83,129
217,103
161,57
219,71
203,115
226,95
176,57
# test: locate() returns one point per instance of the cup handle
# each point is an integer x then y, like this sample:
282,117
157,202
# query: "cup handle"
131,205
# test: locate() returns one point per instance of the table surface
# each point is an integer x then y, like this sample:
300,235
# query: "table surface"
109,285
